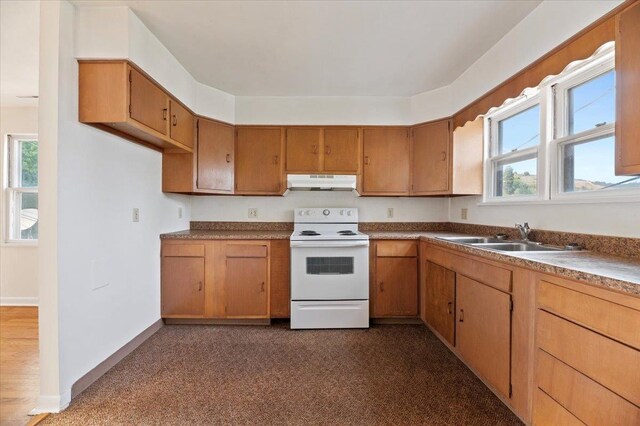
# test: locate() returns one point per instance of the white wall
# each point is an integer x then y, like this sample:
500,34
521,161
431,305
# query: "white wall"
18,271
280,209
108,269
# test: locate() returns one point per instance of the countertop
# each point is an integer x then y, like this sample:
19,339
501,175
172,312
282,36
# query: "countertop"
617,273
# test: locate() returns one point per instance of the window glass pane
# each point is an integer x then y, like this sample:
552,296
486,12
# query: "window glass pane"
24,216
592,103
516,178
519,131
589,166
28,173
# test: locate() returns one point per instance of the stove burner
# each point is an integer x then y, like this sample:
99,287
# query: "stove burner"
347,233
309,233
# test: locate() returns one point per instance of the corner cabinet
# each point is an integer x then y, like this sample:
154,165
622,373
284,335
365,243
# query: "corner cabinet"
628,91
119,98
259,168
438,300
210,169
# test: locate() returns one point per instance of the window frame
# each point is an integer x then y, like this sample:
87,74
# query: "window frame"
554,125
10,192
527,100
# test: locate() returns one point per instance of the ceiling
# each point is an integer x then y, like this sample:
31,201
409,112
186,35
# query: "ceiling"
326,48
19,42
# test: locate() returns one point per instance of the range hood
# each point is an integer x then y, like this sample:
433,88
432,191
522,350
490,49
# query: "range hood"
321,183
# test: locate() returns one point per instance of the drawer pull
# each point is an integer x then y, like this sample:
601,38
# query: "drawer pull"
175,120
461,315
164,114
450,308
314,149
199,285
381,286
228,158
262,287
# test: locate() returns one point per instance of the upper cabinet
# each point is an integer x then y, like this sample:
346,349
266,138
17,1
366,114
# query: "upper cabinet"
117,97
259,167
331,150
628,91
386,161
431,158
209,170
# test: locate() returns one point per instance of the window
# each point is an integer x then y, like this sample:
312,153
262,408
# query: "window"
22,188
512,158
558,141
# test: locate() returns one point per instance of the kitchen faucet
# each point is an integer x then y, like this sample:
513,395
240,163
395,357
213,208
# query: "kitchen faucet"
524,230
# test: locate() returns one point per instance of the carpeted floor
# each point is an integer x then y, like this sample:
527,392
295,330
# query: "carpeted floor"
197,375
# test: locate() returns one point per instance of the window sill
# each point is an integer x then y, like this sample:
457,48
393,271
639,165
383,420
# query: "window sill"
564,200
25,244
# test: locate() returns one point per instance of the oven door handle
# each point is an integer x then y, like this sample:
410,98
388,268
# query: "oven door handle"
324,244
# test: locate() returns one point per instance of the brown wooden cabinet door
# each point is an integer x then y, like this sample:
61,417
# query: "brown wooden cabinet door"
341,150
259,161
182,287
246,287
439,300
215,156
396,287
182,123
430,146
628,91
303,150
483,331
148,103
279,288
386,161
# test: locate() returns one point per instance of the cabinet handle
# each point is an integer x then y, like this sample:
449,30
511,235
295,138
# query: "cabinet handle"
461,315
175,120
164,114
275,159
314,149
381,286
262,287
199,285
228,158
443,155
450,308
327,149
366,160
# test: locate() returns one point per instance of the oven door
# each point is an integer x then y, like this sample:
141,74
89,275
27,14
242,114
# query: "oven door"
330,270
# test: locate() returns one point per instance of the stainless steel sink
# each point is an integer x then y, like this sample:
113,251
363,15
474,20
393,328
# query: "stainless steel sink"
517,246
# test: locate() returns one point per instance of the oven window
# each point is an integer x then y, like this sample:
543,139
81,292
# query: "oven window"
329,265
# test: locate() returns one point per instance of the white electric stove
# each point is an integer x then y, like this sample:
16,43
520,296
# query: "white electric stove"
329,270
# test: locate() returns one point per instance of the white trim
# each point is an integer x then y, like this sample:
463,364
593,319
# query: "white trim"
18,301
51,403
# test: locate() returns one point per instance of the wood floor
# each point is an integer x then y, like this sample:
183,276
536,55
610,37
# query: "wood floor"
19,371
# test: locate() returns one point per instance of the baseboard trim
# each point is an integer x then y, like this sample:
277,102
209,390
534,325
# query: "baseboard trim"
396,321
18,301
51,404
205,321
98,371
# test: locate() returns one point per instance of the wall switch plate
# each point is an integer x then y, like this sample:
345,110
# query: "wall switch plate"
179,212
136,215
253,213
390,212
464,213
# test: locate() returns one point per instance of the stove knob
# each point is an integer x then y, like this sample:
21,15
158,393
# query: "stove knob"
349,212
308,212
301,213
341,212
326,212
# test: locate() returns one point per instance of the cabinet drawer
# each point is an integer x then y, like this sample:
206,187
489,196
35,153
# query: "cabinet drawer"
614,320
576,392
548,412
183,250
397,249
485,273
612,364
246,250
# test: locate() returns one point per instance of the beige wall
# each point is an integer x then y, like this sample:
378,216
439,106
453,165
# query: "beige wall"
18,264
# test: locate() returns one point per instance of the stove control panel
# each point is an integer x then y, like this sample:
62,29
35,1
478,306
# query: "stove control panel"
328,215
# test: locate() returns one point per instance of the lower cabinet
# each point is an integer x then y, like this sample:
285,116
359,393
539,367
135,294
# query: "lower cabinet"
395,279
483,331
182,282
439,300
218,279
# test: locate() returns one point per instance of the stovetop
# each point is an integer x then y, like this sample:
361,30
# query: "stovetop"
322,224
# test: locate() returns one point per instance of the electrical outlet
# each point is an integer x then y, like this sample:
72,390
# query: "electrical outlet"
464,213
179,212
390,212
136,215
253,213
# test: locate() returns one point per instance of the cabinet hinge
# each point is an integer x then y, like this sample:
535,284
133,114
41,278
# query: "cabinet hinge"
510,390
